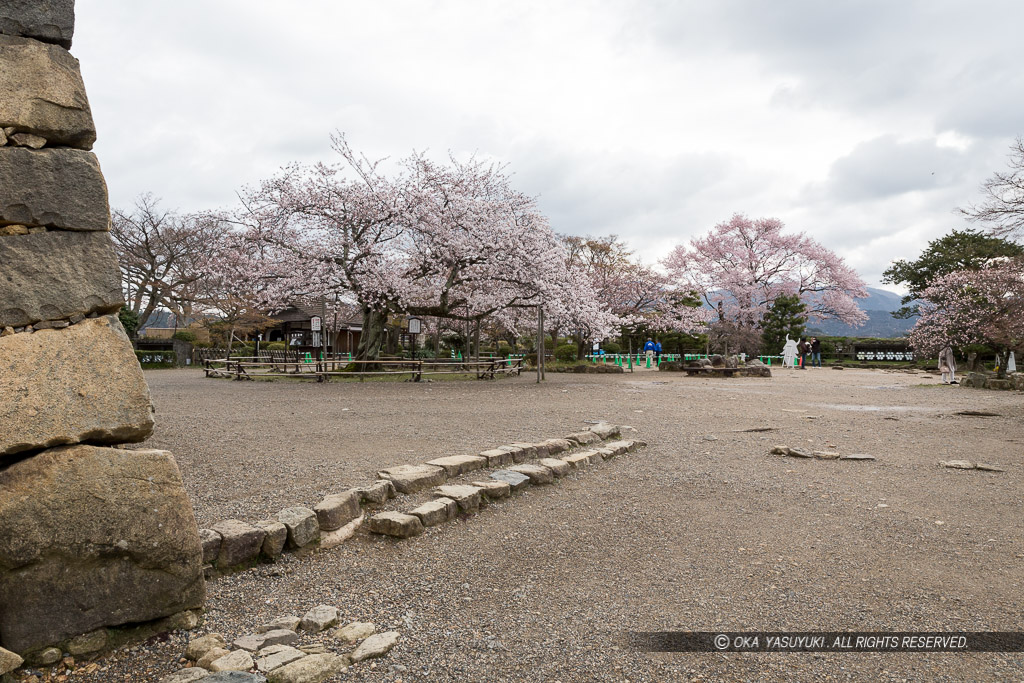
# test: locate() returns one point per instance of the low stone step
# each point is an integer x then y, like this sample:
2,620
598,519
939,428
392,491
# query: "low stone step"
395,524
583,458
560,468
454,465
467,497
337,510
437,511
494,489
556,446
517,481
583,438
537,473
497,457
413,478
528,451
605,430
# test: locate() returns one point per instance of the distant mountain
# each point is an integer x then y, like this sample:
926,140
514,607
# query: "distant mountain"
879,306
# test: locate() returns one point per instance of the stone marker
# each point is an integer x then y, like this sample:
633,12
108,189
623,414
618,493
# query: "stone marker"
498,457
239,660
516,480
309,669
319,618
66,386
303,528
52,21
560,468
376,645
413,478
270,660
44,94
41,283
240,542
337,510
197,647
494,489
454,465
395,524
273,542
356,631
536,473
58,188
466,497
141,566
437,511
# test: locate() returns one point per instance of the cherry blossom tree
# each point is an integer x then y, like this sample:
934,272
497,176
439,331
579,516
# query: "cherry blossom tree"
983,306
741,266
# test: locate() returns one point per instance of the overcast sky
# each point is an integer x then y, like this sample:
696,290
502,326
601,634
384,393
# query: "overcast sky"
863,123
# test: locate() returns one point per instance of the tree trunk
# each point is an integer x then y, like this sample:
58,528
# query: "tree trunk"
1002,358
372,338
476,341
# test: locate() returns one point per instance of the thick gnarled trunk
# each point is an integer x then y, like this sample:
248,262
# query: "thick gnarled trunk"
373,335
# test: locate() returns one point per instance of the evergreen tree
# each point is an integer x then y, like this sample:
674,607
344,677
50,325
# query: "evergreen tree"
787,315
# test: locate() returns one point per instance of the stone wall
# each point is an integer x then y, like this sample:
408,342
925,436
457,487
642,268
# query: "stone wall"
93,535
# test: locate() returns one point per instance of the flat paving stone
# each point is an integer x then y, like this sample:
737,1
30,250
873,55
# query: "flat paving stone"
560,468
395,524
413,478
494,489
437,511
517,481
537,473
467,497
454,465
497,457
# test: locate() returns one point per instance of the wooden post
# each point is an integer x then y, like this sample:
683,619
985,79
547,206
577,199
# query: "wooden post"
540,336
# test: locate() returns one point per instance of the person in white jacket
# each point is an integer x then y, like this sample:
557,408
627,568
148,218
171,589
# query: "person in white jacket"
947,365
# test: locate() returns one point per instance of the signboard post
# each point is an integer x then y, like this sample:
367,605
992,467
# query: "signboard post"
415,327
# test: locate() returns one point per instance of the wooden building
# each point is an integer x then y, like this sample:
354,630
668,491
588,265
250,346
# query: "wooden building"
294,327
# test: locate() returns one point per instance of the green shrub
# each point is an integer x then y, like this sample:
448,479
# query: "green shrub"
611,347
187,336
275,346
566,353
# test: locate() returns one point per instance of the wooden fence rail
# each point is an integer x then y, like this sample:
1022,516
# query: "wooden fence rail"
269,364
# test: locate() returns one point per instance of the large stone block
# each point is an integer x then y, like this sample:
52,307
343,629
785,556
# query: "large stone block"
81,383
52,21
58,188
94,537
56,275
44,94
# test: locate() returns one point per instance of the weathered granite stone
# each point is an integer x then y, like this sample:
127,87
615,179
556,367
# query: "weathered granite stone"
286,623
493,489
239,660
44,94
27,139
582,459
540,450
240,542
46,656
454,465
527,451
605,430
583,438
197,647
619,447
536,473
826,455
337,510
560,468
498,457
211,655
332,539
303,528
377,493
65,386
466,497
413,478
107,530
9,661
55,275
189,675
377,645
437,511
210,541
273,542
52,21
58,188
556,446
311,669
516,480
319,618
396,524
93,641
258,641
999,384
234,677
268,661
356,631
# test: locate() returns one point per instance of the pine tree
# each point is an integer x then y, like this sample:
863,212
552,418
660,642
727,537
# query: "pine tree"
787,315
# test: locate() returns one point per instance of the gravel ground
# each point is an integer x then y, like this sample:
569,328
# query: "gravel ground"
702,530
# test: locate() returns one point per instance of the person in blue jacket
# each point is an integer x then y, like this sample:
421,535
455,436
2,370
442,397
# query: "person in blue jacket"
649,347
657,352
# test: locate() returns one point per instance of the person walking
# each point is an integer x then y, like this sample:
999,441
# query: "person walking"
815,352
657,352
649,350
947,365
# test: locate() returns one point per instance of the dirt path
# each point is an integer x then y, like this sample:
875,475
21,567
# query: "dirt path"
702,530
